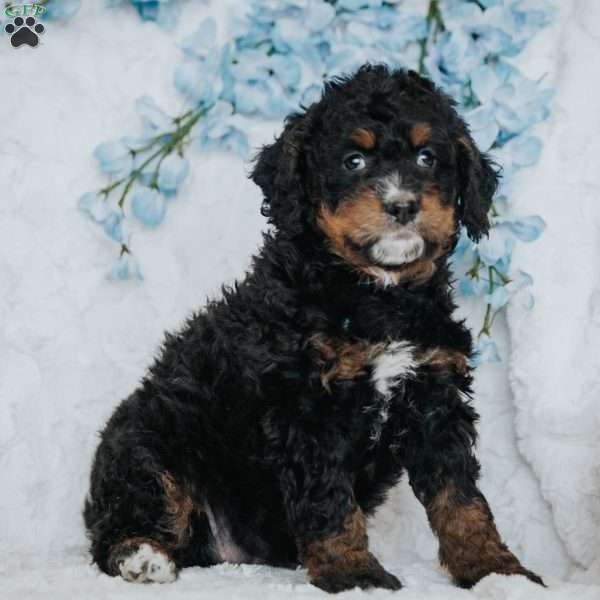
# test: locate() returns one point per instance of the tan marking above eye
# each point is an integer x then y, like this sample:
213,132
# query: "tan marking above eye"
419,134
364,138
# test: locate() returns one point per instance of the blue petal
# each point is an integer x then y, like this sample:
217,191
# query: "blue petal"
126,267
472,287
483,126
114,158
61,9
94,206
148,206
527,229
525,152
318,15
151,115
202,40
113,227
498,298
485,351
173,171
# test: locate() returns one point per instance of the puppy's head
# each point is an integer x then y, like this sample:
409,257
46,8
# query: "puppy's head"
384,169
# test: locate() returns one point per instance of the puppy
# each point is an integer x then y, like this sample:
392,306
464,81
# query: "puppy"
274,422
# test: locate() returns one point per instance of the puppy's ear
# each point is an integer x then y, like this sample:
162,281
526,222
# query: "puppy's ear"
278,171
477,184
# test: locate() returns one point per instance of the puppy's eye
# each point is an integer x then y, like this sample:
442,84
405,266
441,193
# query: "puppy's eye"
355,162
426,159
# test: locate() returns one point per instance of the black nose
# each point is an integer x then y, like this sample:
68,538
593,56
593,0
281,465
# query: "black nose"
403,213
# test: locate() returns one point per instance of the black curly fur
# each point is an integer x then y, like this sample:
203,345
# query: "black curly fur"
235,410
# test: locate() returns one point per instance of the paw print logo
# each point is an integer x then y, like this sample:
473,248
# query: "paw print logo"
24,31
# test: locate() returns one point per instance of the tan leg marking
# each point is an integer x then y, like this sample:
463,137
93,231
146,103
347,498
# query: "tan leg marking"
179,506
343,561
470,545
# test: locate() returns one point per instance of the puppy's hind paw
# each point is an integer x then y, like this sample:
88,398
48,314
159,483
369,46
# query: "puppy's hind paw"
144,563
363,576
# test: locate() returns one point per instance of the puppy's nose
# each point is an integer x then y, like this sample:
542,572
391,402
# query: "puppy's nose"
403,212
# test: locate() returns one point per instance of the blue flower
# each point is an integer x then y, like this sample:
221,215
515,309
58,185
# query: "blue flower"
472,287
114,157
153,117
202,41
164,12
114,227
173,171
496,250
498,298
220,129
148,206
94,206
199,80
485,351
527,229
125,267
61,9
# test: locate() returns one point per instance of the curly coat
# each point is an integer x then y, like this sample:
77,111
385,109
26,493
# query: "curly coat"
278,417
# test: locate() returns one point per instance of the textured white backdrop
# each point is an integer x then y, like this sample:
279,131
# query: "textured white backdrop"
72,344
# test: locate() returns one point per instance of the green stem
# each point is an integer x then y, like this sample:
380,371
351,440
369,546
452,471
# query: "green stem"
435,24
488,318
175,138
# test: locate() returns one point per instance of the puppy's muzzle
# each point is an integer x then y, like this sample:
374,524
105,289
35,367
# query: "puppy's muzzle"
399,202
403,212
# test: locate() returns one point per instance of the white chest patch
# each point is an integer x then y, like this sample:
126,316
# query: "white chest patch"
390,368
147,565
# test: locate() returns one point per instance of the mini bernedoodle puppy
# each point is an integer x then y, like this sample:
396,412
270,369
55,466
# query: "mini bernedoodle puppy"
275,421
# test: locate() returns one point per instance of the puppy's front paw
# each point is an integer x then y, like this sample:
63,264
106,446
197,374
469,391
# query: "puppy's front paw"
512,569
345,575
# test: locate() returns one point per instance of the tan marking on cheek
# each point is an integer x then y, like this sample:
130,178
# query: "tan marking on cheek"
360,219
179,507
436,221
443,359
342,359
364,138
419,134
470,545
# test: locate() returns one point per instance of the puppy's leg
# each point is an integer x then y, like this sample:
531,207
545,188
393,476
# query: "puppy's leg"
443,474
328,526
142,521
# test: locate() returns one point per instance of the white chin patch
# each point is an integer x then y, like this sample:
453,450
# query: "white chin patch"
147,565
398,248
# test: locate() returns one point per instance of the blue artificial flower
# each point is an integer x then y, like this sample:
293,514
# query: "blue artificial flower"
485,351
61,9
202,41
114,157
173,171
164,12
125,267
153,117
148,206
483,126
199,80
114,227
468,286
527,229
498,298
496,249
220,129
94,206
